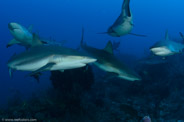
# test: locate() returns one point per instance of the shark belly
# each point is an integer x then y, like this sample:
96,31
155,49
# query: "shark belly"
123,29
105,67
71,62
31,66
67,65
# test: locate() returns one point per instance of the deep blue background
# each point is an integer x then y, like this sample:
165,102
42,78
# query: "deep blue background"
63,20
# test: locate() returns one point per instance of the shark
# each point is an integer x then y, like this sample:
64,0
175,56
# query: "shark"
23,36
166,47
123,25
108,62
48,58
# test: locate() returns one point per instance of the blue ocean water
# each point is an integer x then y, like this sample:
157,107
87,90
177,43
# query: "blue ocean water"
63,20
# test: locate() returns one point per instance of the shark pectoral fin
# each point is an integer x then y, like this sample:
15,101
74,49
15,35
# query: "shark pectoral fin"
30,28
12,42
46,67
102,33
10,72
138,35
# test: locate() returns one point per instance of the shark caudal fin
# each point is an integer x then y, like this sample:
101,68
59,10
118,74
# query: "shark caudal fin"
126,8
108,48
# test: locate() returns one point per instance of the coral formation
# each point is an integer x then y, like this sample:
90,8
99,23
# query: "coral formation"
78,96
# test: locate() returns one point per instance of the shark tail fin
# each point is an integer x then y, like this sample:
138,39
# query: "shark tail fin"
182,36
108,48
166,35
126,8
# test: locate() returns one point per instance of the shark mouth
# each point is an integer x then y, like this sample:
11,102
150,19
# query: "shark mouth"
162,51
11,27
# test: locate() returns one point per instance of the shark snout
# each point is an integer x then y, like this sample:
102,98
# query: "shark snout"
13,26
10,26
90,60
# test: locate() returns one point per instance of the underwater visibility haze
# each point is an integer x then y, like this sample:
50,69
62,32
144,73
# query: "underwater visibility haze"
92,60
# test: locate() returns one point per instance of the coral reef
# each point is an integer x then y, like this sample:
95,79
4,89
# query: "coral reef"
77,95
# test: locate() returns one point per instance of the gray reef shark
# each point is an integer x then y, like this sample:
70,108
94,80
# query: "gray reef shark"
48,58
123,24
109,63
166,47
23,36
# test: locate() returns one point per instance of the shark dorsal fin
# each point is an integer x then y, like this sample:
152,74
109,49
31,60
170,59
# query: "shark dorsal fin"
36,40
108,48
30,28
166,35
